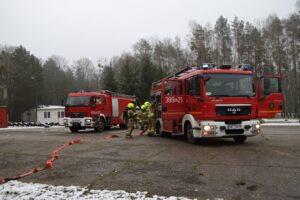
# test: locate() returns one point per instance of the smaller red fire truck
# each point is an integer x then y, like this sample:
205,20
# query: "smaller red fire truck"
98,110
215,101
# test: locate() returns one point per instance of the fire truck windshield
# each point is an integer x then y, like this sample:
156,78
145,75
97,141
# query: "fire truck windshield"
229,85
78,101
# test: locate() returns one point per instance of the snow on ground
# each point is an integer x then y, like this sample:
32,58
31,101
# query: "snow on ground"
36,191
28,127
280,120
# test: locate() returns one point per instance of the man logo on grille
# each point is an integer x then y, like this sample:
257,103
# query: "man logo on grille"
233,110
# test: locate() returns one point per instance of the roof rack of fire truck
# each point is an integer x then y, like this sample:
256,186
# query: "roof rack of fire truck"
172,76
116,94
204,66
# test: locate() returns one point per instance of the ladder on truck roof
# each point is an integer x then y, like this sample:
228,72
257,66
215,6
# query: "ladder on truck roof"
172,76
116,94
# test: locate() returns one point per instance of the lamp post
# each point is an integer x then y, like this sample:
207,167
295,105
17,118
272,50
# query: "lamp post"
36,103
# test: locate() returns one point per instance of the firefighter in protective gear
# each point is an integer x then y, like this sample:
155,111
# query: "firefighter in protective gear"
143,118
151,120
131,115
138,115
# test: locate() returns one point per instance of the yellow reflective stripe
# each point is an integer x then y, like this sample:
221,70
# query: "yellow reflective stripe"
174,113
196,113
270,111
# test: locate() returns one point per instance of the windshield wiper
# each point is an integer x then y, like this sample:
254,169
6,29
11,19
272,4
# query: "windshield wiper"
220,95
244,95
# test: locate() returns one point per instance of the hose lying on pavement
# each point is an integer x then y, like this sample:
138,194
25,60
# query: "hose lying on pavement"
49,163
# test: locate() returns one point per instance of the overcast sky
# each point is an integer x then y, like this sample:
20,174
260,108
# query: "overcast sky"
104,28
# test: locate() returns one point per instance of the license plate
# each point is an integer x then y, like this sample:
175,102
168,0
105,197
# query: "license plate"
234,126
75,121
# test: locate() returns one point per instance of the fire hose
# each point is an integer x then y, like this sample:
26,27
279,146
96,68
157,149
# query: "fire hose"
49,163
54,156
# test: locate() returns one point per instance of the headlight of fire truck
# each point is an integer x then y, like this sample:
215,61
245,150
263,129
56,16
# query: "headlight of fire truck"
256,127
65,121
209,130
88,120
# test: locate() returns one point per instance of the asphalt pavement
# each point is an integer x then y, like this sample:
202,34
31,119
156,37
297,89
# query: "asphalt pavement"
264,167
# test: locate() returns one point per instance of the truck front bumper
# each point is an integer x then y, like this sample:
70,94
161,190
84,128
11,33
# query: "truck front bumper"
86,122
214,129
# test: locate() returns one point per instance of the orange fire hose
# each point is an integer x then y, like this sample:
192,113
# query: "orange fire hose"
49,163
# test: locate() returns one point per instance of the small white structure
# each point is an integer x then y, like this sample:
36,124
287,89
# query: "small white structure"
45,114
48,114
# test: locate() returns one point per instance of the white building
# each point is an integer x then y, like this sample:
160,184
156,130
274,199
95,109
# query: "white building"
45,114
48,114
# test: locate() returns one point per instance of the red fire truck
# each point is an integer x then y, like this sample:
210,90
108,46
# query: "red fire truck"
215,101
98,110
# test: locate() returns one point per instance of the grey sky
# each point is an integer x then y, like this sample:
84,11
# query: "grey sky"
98,28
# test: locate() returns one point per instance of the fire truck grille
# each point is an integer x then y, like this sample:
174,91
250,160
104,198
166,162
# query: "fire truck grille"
233,110
77,115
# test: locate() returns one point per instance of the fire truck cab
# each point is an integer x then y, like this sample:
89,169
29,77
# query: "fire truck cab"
215,101
98,110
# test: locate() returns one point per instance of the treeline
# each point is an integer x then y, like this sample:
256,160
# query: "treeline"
272,47
31,82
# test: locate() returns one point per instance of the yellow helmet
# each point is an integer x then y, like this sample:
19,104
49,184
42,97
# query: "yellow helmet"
130,105
147,103
143,107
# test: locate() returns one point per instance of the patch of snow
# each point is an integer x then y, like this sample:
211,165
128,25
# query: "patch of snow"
280,120
280,124
28,191
29,127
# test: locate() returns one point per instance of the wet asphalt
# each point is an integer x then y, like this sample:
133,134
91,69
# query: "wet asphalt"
264,167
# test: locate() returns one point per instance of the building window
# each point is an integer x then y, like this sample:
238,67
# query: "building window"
60,114
46,114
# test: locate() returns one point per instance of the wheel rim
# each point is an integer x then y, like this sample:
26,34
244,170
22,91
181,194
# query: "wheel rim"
101,125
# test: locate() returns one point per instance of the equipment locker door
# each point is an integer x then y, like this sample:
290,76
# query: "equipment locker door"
270,97
173,105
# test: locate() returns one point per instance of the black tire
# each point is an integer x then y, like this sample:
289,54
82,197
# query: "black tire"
189,135
100,125
239,139
74,129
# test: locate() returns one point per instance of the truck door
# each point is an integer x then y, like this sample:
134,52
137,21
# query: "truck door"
173,105
270,98
194,97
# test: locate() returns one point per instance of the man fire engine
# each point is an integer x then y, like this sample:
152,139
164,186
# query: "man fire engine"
98,110
215,101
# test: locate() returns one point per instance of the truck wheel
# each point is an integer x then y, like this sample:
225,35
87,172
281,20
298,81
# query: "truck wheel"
100,126
240,139
189,135
74,129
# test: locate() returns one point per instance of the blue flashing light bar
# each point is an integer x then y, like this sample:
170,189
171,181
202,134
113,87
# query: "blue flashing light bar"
205,66
245,67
